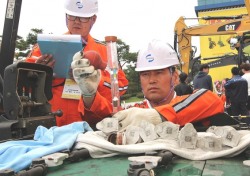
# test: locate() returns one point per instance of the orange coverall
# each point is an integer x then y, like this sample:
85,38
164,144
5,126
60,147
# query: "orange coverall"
190,108
74,110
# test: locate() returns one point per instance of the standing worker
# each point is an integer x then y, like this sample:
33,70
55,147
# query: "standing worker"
245,68
203,79
156,64
183,88
237,93
80,17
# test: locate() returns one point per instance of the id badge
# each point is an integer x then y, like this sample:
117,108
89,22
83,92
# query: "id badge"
71,90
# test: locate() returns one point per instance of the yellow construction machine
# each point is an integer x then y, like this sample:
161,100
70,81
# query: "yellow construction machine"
238,26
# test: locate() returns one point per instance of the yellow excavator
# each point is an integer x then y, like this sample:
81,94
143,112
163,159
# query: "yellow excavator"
232,25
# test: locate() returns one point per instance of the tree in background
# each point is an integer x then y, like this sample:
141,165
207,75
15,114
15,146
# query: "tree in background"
128,61
23,47
32,36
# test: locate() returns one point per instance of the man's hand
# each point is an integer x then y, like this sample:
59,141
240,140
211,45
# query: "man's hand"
85,75
134,116
46,59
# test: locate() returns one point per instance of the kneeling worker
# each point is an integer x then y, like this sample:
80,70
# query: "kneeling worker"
156,64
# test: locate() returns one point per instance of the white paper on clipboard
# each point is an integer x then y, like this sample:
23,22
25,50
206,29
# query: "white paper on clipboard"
63,48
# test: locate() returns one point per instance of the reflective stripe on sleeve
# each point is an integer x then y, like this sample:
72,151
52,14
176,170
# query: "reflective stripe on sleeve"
120,88
186,102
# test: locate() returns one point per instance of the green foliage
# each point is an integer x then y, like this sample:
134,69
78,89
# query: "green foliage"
133,99
127,60
21,44
32,36
140,95
23,47
125,96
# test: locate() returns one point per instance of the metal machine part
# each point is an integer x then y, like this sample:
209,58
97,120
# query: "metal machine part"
38,167
166,157
1,95
26,92
55,159
9,36
144,165
77,155
137,169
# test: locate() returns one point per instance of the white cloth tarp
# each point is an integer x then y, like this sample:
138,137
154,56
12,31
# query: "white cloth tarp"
99,147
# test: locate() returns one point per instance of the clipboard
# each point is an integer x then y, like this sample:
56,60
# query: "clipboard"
63,48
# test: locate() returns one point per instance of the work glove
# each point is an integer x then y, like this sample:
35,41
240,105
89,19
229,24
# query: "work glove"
85,74
134,116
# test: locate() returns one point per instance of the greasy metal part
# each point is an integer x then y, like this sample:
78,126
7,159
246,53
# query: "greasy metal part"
112,138
9,36
7,172
144,165
26,95
167,157
118,165
137,169
116,138
1,95
77,155
37,168
247,153
57,113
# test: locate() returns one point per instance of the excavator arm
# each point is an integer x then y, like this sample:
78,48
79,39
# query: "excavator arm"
237,25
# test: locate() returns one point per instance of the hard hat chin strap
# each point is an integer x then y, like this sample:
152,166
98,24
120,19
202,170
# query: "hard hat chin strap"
66,20
91,23
164,99
171,70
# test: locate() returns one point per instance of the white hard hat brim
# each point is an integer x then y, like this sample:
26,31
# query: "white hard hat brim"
153,68
79,15
171,63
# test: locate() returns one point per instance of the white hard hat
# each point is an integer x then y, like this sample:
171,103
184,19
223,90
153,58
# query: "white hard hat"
81,8
156,55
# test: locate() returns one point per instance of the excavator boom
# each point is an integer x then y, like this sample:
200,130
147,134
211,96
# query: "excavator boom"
237,25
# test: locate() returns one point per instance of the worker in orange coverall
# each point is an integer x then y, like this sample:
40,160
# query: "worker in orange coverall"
80,18
156,64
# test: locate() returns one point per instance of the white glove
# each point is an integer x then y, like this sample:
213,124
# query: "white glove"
134,116
85,75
